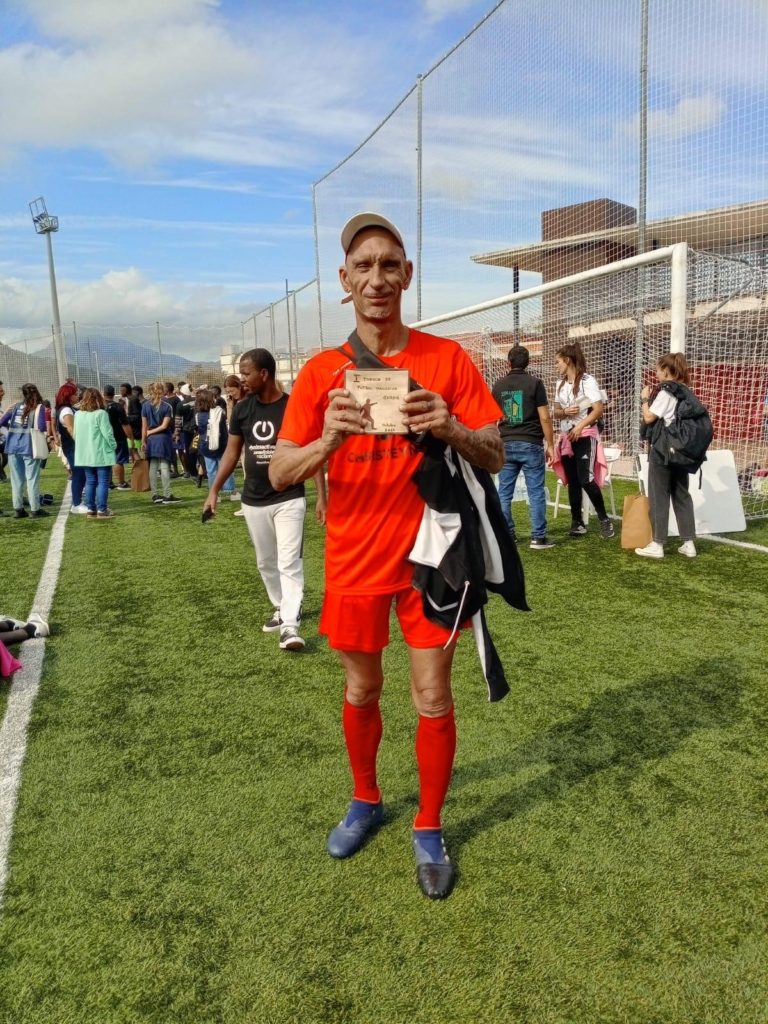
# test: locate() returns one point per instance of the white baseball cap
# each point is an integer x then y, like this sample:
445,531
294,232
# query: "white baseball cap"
360,222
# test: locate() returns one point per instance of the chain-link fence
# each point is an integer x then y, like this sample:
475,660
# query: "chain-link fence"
98,354
722,327
562,135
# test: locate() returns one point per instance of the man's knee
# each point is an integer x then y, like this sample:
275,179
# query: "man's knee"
431,681
364,677
433,701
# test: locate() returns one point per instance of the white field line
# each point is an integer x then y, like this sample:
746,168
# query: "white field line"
21,698
733,543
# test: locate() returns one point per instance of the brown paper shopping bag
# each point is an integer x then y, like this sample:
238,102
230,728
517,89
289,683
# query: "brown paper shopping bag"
140,475
636,522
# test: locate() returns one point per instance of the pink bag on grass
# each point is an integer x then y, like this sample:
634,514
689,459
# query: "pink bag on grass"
8,664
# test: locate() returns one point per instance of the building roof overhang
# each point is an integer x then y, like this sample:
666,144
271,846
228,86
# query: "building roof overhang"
706,229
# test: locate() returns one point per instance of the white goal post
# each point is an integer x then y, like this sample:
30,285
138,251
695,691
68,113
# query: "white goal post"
676,255
627,314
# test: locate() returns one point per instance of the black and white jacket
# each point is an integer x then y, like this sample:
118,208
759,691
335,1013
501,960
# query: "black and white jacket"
463,550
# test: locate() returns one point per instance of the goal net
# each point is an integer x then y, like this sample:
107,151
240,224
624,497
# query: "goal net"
625,316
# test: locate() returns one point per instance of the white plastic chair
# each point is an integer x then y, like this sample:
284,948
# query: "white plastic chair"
611,456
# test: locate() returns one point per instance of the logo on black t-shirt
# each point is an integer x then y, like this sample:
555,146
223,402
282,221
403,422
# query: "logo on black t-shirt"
513,407
263,431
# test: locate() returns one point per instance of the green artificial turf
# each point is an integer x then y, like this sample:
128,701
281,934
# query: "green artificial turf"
608,817
23,547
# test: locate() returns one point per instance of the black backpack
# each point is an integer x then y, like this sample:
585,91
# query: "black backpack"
685,442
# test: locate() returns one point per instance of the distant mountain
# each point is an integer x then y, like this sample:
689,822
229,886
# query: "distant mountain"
118,357
108,361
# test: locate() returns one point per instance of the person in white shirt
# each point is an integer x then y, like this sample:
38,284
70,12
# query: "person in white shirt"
578,407
667,482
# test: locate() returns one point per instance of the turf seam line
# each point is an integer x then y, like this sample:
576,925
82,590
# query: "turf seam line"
23,691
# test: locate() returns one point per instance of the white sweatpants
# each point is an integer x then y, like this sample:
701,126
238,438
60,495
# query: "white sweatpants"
277,533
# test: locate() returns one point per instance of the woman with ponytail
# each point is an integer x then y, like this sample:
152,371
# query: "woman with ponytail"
667,482
578,407
25,463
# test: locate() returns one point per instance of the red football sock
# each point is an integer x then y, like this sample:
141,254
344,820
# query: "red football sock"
435,749
362,734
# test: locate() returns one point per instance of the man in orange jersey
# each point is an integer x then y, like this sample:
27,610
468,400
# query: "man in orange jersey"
374,514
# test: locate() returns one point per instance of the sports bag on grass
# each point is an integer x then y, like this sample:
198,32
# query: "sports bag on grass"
140,475
636,522
685,442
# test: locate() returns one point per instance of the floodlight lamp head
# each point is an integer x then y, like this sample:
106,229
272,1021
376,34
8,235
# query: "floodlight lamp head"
44,222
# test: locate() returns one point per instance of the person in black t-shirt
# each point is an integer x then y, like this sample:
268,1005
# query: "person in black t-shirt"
185,430
217,397
174,401
135,403
125,452
275,519
526,431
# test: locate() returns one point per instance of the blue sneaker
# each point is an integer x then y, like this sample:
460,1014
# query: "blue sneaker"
435,872
361,820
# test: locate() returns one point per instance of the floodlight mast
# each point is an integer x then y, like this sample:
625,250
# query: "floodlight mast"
46,224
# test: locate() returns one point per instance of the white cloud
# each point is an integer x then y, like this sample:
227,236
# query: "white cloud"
689,116
174,79
120,296
196,317
93,19
203,183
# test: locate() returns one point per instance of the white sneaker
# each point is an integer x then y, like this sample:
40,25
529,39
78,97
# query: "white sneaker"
652,550
688,549
290,640
235,496
41,626
238,512
79,510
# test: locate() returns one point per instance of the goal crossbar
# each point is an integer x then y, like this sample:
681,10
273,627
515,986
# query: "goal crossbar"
676,255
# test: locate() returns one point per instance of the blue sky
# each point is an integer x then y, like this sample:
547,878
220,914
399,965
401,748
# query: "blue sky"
177,141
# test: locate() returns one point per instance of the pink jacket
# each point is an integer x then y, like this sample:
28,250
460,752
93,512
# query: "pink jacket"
8,664
564,447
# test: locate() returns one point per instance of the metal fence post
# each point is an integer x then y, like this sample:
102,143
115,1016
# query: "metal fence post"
288,319
317,267
516,310
160,350
642,186
419,205
77,353
295,324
